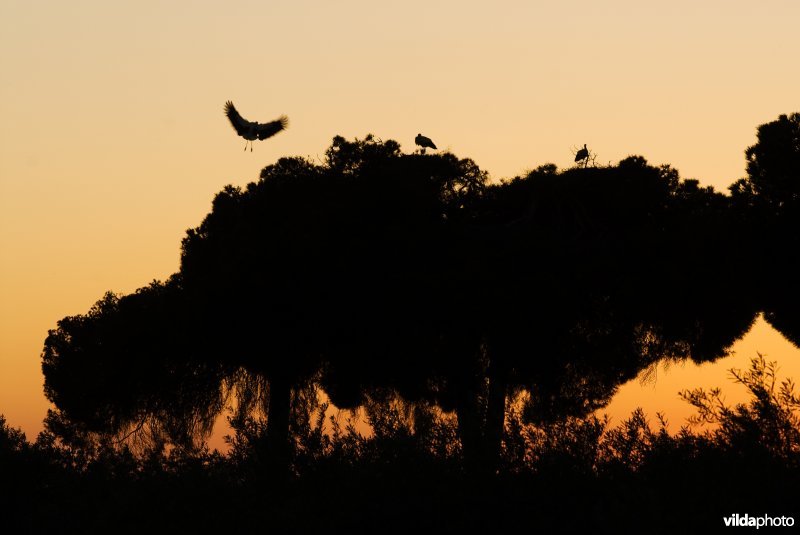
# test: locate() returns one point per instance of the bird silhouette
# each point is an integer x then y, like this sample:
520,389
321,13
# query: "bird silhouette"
424,142
250,130
583,154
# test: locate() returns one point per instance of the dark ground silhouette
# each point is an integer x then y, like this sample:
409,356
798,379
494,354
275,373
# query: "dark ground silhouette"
574,475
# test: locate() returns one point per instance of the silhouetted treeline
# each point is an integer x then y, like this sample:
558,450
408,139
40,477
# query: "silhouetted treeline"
576,474
377,276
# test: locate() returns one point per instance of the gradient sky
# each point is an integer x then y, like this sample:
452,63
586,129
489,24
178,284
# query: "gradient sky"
113,141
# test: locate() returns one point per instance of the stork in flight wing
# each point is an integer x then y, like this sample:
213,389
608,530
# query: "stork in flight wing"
252,131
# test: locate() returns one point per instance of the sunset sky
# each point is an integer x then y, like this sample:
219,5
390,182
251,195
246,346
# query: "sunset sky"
113,140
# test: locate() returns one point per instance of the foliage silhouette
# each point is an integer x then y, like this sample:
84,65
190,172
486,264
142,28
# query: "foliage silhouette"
251,267
770,423
564,258
377,274
131,363
323,264
573,474
773,168
769,199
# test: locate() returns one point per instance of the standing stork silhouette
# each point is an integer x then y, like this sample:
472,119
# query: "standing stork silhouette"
424,142
250,130
582,154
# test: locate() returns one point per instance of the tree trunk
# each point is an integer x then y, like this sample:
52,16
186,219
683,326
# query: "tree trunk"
277,439
469,429
481,410
495,416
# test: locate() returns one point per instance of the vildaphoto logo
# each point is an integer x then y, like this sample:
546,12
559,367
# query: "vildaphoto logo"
765,521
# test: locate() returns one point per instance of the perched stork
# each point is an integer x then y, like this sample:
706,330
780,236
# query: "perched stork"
583,154
424,142
252,131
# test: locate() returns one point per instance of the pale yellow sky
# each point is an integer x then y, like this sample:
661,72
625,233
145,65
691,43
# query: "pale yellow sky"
113,141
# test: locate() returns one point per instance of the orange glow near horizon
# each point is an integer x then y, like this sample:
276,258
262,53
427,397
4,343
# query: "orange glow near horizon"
113,141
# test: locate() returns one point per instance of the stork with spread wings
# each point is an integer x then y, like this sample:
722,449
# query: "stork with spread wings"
250,130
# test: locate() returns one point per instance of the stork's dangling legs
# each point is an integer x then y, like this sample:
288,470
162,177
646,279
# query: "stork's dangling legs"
252,131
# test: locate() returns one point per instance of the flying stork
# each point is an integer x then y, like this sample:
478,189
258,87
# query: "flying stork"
252,131
423,142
